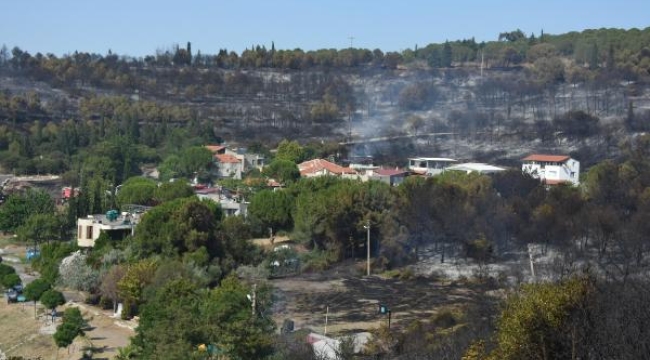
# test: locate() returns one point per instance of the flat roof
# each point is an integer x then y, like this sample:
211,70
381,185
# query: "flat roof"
433,159
478,167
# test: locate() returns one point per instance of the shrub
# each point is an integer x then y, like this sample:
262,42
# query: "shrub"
6,270
35,289
11,280
52,298
444,319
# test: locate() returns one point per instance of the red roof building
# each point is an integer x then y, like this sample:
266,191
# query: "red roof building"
321,167
552,169
546,158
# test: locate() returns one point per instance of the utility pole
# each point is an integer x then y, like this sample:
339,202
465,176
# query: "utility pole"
351,40
532,264
367,227
327,312
253,299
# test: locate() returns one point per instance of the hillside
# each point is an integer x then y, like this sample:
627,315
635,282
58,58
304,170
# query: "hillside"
580,93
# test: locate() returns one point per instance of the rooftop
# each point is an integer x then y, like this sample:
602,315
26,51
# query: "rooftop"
433,159
390,172
316,165
546,158
227,158
476,167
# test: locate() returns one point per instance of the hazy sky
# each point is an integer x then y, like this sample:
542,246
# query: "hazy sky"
139,27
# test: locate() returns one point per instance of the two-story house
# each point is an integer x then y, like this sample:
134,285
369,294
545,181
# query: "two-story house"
552,169
233,163
114,224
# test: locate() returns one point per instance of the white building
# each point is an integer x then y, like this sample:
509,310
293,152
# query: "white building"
552,169
229,205
430,166
480,168
114,224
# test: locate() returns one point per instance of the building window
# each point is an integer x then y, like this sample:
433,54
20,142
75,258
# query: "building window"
573,174
89,232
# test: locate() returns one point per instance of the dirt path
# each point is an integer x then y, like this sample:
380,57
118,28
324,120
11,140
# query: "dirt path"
106,334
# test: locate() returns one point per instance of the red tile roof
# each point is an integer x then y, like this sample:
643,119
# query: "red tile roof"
317,165
546,158
226,158
390,172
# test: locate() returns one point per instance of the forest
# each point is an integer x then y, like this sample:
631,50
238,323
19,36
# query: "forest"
99,121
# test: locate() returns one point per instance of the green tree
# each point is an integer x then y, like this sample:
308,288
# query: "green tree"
290,151
130,287
137,190
173,190
187,163
447,56
272,209
35,289
540,322
10,280
71,327
41,227
18,207
179,226
284,171
52,298
240,333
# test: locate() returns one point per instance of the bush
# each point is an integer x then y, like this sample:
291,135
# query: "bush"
318,260
51,254
35,289
52,298
6,270
76,274
105,303
11,280
444,319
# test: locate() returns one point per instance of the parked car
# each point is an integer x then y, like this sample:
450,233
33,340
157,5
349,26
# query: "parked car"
11,295
18,288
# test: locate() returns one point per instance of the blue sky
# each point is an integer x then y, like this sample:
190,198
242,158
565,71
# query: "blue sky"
140,27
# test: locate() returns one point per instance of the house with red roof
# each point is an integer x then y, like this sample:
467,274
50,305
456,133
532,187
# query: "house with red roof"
322,167
234,162
229,165
552,169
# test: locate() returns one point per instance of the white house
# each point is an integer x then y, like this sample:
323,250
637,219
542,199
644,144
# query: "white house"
229,205
552,169
114,224
429,166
